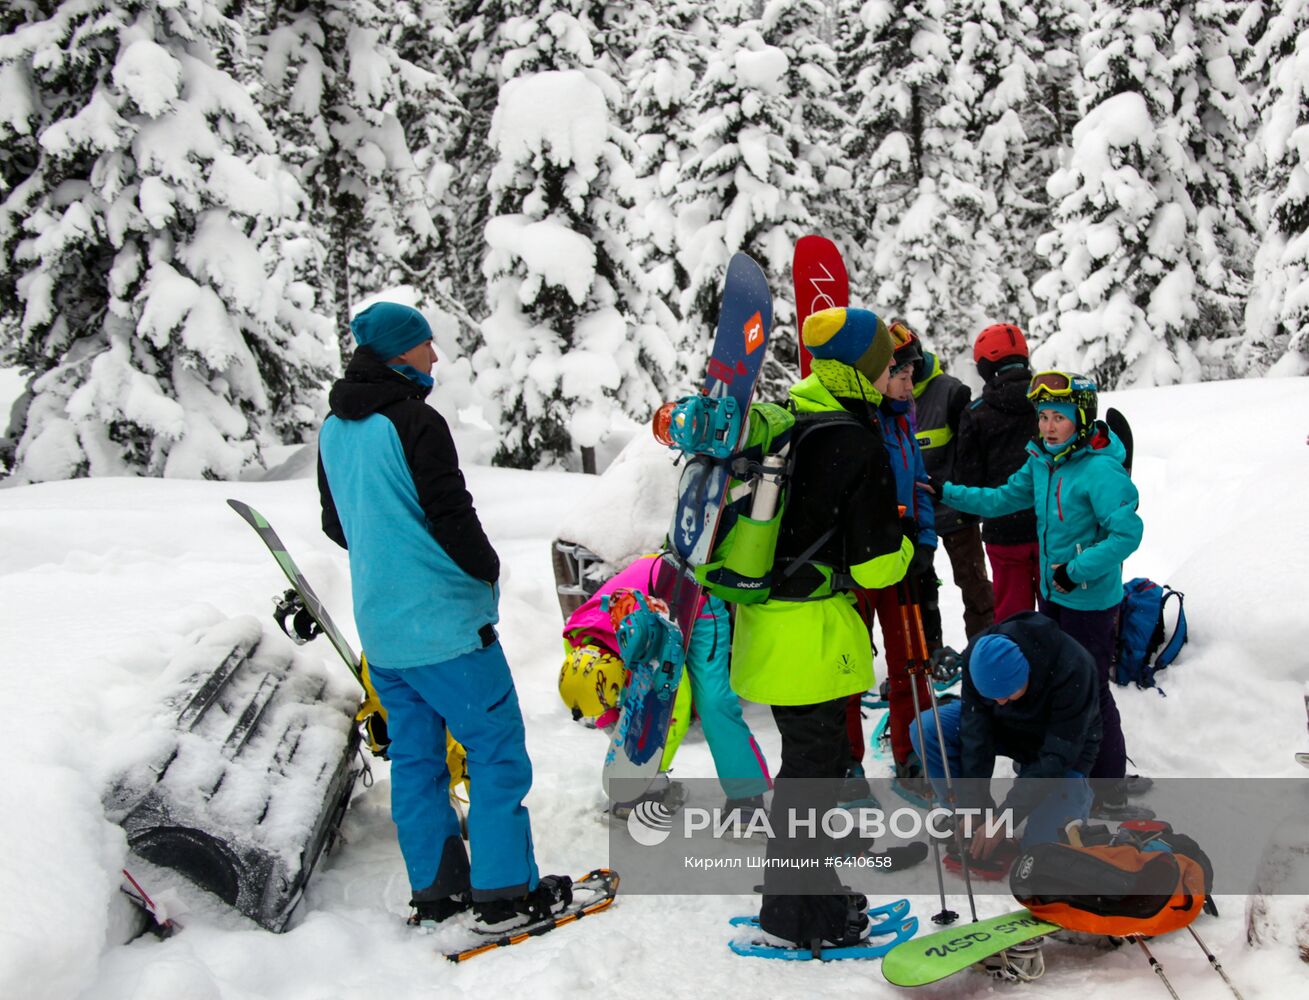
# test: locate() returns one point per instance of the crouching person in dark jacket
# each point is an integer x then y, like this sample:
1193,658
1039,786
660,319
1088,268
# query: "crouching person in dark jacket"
1032,694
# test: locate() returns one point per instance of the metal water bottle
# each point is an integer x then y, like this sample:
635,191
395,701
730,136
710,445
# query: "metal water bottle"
767,488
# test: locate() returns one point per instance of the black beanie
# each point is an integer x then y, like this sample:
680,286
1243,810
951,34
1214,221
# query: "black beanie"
989,369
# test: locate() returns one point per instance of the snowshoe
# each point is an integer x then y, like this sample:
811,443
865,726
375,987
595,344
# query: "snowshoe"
503,916
589,894
890,919
911,784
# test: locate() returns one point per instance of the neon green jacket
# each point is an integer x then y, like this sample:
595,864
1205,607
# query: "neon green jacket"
801,652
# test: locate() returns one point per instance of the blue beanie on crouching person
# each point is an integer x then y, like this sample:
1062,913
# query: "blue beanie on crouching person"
997,666
388,329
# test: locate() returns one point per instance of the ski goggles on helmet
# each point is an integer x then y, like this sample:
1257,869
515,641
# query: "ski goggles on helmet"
901,334
1057,385
907,350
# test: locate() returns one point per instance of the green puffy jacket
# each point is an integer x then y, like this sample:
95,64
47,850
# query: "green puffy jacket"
809,649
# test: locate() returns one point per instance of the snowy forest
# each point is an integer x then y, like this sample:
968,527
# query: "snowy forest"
195,195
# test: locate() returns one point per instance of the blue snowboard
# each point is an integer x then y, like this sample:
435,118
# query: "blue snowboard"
744,321
890,919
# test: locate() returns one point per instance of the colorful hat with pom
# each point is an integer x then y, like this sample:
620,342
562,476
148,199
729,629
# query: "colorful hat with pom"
856,337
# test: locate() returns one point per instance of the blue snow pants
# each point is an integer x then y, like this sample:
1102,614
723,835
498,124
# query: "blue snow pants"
1070,800
740,764
474,695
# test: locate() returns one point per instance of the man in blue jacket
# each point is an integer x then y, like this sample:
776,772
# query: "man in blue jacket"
1030,693
426,601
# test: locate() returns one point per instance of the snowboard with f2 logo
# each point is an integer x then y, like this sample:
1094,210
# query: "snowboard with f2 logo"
744,321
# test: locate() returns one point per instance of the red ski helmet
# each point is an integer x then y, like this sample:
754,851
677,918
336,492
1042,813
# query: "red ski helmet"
1000,340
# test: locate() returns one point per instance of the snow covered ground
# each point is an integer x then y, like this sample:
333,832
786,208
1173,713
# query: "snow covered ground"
101,581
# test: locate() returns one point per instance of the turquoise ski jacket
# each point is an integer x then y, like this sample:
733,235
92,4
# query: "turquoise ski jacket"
1085,515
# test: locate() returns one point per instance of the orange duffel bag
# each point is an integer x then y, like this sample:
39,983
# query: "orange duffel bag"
1116,890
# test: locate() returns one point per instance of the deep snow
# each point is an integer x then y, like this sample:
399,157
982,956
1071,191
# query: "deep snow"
102,581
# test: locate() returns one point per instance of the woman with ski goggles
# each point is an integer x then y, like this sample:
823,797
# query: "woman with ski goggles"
1057,385
1087,524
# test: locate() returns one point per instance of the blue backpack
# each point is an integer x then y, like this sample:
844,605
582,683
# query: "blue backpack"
1142,649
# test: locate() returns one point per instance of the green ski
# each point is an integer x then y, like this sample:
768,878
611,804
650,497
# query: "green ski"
924,960
311,602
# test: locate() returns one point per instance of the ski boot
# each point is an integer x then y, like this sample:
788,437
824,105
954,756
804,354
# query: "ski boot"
428,913
1110,803
496,916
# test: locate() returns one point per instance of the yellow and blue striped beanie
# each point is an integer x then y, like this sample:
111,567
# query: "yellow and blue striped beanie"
856,337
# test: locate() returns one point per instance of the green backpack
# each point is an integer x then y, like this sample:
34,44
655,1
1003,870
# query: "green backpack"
742,568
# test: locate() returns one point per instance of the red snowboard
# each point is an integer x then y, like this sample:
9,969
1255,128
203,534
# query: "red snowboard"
820,283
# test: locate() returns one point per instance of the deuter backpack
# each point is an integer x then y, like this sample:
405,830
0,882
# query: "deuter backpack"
1143,649
741,569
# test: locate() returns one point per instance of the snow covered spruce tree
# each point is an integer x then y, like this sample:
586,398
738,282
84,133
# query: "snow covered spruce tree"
915,175
751,183
564,345
355,92
1277,314
153,247
1012,114
1150,245
662,78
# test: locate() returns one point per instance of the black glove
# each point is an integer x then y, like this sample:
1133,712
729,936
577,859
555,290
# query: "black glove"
935,486
1062,581
909,528
921,564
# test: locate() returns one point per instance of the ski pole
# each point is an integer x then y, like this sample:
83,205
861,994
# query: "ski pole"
913,666
946,915
1213,960
1159,969
923,661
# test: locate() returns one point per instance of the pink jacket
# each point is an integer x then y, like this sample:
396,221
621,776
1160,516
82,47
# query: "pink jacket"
589,624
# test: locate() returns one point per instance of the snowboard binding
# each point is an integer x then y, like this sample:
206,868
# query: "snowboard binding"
700,425
1019,963
303,627
645,633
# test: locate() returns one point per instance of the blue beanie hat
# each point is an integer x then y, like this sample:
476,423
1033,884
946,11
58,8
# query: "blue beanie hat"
388,329
1066,409
997,666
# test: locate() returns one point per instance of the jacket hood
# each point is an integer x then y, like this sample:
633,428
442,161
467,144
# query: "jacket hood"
1007,392
1101,443
369,385
931,369
830,382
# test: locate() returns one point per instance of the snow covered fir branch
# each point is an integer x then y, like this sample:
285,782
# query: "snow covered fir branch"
196,195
